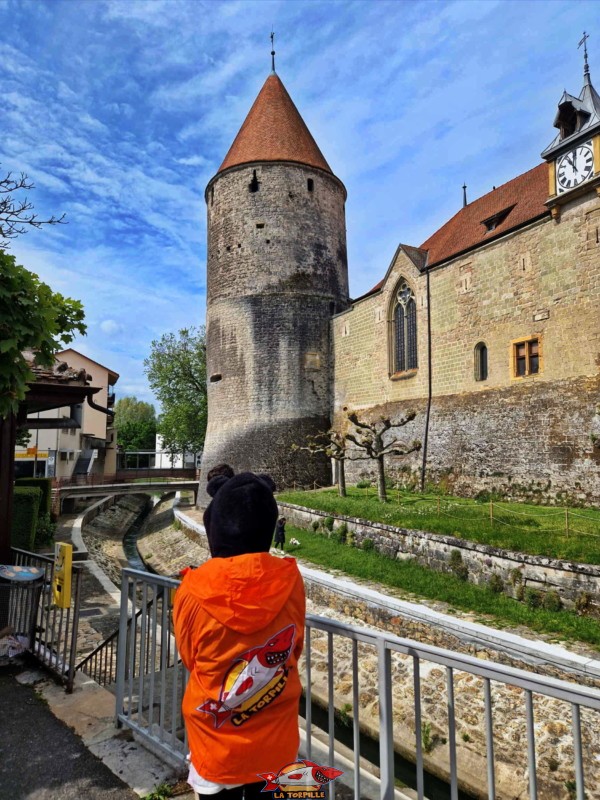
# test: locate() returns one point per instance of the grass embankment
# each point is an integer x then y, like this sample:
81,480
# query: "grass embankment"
411,577
526,528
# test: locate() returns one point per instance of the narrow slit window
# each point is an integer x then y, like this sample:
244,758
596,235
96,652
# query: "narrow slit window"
254,184
481,362
310,184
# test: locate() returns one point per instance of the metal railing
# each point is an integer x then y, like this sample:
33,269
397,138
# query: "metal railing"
150,676
101,664
378,670
55,633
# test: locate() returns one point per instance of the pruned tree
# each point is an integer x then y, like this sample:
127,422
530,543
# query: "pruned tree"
16,213
331,443
370,437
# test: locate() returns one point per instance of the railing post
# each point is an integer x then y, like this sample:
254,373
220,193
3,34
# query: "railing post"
386,722
122,649
74,632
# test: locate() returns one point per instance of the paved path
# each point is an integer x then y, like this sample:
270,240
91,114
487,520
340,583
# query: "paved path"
41,758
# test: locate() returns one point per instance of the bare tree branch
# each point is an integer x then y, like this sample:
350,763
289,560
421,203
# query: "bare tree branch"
16,214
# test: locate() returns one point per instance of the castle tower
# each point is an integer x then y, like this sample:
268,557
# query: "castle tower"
277,271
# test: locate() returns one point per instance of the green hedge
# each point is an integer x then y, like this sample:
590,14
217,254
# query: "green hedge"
26,505
45,486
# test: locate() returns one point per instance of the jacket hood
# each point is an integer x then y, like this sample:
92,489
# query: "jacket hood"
244,593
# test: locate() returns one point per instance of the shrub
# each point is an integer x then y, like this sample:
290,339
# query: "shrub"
466,737
583,603
553,764
363,485
368,544
533,598
351,539
496,584
328,523
338,536
26,504
45,530
516,576
45,487
520,592
426,737
457,567
551,601
315,525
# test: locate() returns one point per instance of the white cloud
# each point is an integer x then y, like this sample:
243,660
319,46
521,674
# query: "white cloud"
110,327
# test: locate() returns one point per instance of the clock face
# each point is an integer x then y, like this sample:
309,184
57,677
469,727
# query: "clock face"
574,167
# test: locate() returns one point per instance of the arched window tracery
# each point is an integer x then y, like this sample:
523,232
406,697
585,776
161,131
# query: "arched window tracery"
404,326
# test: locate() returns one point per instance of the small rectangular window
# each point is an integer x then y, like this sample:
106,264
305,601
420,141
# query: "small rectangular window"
526,358
310,184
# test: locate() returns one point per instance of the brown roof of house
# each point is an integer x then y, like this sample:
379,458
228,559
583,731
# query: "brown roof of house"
274,131
515,203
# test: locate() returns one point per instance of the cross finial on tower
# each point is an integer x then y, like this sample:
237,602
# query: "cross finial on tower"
272,50
586,66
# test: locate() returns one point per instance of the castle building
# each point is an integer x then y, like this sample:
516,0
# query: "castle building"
277,272
489,330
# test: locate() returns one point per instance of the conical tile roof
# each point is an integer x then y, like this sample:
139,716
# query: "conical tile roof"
274,131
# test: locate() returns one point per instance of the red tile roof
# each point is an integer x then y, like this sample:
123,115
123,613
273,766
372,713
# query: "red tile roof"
522,198
525,196
274,131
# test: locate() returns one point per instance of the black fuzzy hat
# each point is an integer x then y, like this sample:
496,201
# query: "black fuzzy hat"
241,516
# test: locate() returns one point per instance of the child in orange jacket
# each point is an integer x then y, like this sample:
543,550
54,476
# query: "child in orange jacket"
239,627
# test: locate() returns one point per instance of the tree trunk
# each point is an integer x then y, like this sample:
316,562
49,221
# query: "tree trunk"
341,477
381,480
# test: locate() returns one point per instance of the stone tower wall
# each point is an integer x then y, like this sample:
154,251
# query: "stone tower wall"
277,270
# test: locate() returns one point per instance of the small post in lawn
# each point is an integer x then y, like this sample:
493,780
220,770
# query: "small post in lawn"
567,521
491,512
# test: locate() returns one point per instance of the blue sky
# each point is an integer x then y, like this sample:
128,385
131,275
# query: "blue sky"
121,111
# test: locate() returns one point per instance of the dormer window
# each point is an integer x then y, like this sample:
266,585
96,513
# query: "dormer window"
491,223
567,120
571,117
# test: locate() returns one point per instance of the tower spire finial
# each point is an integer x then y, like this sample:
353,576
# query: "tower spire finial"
464,188
586,66
272,50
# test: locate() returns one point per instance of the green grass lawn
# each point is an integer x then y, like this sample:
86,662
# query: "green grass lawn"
516,526
411,577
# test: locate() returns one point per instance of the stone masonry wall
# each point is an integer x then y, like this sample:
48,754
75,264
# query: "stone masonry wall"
482,561
536,435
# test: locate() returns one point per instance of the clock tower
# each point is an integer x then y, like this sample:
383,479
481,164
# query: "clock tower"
574,154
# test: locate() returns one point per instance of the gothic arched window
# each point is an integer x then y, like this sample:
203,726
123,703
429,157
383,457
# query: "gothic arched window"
404,320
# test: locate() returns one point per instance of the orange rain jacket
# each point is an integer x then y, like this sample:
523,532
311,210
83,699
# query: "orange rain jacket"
239,627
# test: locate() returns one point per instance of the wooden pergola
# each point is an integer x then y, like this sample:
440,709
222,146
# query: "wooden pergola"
52,387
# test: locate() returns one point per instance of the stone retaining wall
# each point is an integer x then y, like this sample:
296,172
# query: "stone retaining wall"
571,580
